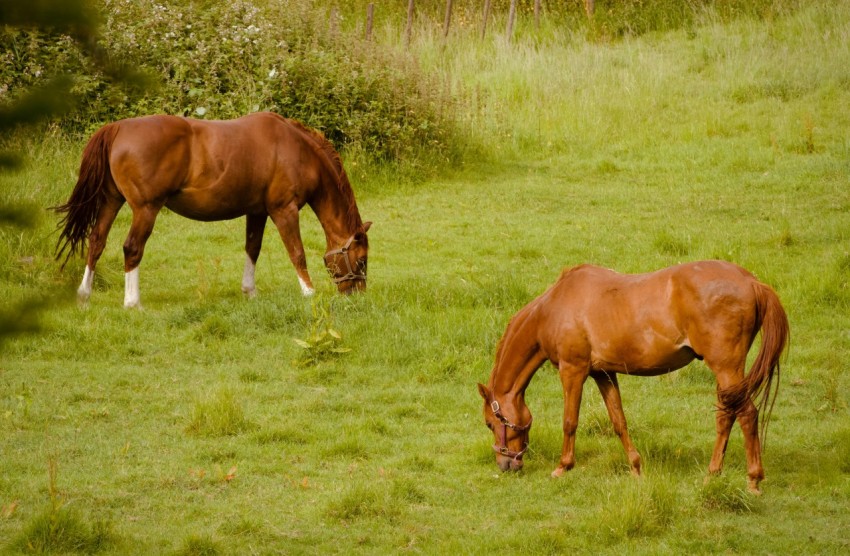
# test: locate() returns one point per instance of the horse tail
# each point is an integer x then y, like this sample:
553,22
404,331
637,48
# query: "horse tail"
87,198
759,384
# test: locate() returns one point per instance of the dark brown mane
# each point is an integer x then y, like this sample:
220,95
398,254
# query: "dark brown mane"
323,146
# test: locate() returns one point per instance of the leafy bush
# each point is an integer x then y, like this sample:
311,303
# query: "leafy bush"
225,59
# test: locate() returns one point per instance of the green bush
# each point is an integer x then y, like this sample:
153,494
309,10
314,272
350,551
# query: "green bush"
219,60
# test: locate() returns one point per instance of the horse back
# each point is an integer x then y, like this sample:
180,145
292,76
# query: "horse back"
647,322
211,170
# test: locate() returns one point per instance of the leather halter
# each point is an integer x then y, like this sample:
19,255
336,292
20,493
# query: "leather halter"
503,434
359,274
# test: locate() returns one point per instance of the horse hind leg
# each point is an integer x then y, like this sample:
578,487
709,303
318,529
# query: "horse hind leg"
724,420
730,409
255,225
97,242
609,387
134,249
748,418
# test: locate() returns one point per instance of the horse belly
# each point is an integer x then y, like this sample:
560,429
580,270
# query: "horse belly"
643,358
210,205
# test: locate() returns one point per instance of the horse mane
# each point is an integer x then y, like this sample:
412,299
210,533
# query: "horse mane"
325,149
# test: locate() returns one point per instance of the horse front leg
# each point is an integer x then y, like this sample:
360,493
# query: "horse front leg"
97,242
572,381
255,225
286,220
609,387
134,249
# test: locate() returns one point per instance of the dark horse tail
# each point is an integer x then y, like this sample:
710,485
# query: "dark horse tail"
759,383
82,208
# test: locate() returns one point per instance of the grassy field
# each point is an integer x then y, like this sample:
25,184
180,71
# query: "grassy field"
195,426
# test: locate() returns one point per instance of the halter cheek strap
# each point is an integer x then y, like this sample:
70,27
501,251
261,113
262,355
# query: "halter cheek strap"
351,274
502,447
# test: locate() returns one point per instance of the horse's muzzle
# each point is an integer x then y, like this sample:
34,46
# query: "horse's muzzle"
508,464
352,286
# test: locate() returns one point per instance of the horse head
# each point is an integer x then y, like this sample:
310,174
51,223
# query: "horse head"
510,440
347,264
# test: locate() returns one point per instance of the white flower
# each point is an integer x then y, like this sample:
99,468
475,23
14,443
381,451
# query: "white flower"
273,73
200,110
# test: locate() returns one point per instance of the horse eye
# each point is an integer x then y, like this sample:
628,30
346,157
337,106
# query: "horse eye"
489,425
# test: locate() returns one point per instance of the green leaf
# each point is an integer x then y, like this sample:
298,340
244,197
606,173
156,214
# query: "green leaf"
334,333
302,343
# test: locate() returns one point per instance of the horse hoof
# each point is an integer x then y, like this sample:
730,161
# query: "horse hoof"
753,488
250,293
557,472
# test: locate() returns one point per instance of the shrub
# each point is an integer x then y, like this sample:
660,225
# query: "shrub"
219,60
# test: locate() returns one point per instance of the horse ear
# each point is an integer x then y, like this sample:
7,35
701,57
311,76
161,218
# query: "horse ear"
485,393
366,226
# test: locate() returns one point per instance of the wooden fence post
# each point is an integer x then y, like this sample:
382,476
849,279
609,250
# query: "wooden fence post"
485,18
409,22
511,17
370,12
588,7
448,19
537,14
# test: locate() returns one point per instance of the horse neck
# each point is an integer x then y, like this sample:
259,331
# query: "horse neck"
338,218
517,359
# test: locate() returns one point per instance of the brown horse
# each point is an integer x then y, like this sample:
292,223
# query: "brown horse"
595,323
261,165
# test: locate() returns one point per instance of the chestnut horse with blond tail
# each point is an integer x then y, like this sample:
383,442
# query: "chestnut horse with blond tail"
258,166
597,323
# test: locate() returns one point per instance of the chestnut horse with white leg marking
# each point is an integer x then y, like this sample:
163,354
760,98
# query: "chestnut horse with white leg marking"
596,323
258,166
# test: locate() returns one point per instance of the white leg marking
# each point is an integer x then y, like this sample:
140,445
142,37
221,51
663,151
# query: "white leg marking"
131,288
305,289
84,291
248,285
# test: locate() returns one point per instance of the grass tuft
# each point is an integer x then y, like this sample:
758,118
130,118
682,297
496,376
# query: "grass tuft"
218,414
60,530
667,244
199,545
365,502
719,493
641,507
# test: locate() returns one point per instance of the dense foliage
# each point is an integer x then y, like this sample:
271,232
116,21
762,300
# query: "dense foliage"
225,59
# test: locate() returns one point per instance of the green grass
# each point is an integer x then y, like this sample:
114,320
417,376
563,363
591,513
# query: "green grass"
729,141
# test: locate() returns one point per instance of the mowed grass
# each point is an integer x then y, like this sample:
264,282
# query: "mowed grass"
188,427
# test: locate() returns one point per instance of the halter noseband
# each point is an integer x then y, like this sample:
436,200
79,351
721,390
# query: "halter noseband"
359,274
503,433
